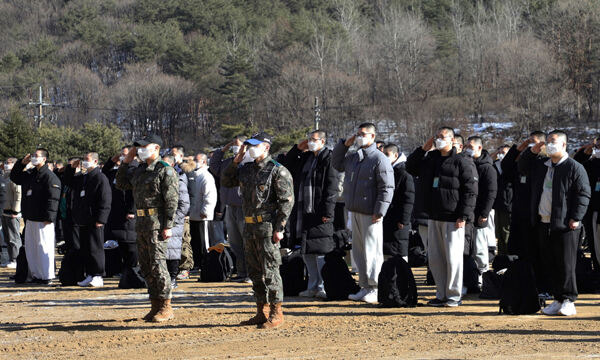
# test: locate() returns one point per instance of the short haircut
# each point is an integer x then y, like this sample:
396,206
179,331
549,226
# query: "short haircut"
169,159
393,148
126,147
201,156
476,139
369,126
45,152
561,134
379,142
94,155
447,128
320,133
540,135
12,160
179,148
503,146
458,138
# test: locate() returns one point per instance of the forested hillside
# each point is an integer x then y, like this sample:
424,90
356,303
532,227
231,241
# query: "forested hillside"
198,71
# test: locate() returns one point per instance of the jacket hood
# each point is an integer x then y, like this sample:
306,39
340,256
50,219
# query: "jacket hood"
188,166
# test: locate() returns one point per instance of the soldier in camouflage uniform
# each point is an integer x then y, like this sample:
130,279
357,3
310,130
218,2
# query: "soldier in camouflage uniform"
155,189
267,200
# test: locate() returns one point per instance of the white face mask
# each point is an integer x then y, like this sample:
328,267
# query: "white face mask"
531,145
255,152
500,156
178,159
440,144
596,153
35,161
143,153
121,158
8,167
470,152
87,164
361,141
313,146
235,149
246,158
553,148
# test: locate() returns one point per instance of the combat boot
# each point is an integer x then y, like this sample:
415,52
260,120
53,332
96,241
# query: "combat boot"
275,317
262,314
153,311
165,311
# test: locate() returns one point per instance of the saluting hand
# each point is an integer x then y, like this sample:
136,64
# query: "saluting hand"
130,155
429,144
240,155
26,160
537,147
350,141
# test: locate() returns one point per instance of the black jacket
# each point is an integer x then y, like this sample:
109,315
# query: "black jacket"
40,192
504,196
455,194
520,181
592,166
570,189
91,196
488,187
400,211
119,227
316,237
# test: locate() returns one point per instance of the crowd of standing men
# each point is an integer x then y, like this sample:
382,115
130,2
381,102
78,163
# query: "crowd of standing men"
165,212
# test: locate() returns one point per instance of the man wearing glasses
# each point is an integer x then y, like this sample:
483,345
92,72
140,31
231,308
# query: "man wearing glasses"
368,192
449,184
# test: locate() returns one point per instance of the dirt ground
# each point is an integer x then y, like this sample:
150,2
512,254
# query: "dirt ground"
41,322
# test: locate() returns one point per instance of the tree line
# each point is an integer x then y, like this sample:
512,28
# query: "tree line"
198,71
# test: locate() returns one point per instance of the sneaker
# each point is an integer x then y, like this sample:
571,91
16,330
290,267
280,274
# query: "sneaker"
567,308
239,279
46,282
183,275
97,281
371,296
86,281
12,265
359,295
174,283
453,303
308,293
3,265
436,302
552,309
321,294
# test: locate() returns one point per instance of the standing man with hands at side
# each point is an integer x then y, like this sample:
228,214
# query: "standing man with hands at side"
560,194
155,187
368,192
449,192
41,193
267,201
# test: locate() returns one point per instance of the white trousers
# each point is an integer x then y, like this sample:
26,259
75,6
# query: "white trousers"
314,265
39,248
484,238
367,248
445,250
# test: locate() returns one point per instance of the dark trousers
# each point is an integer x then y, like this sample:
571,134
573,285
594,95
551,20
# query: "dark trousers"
90,239
199,232
556,261
173,267
340,218
520,238
589,226
129,254
12,236
502,223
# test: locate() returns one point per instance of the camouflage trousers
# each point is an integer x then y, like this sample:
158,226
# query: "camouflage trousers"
152,254
187,256
263,260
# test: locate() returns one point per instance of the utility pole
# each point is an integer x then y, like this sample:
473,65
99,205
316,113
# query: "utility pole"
40,105
317,113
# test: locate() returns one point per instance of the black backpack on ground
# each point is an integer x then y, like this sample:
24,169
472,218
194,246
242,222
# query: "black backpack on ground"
337,279
71,268
22,270
492,284
417,254
131,279
396,284
342,239
470,275
588,281
503,261
216,266
293,273
518,294
112,262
